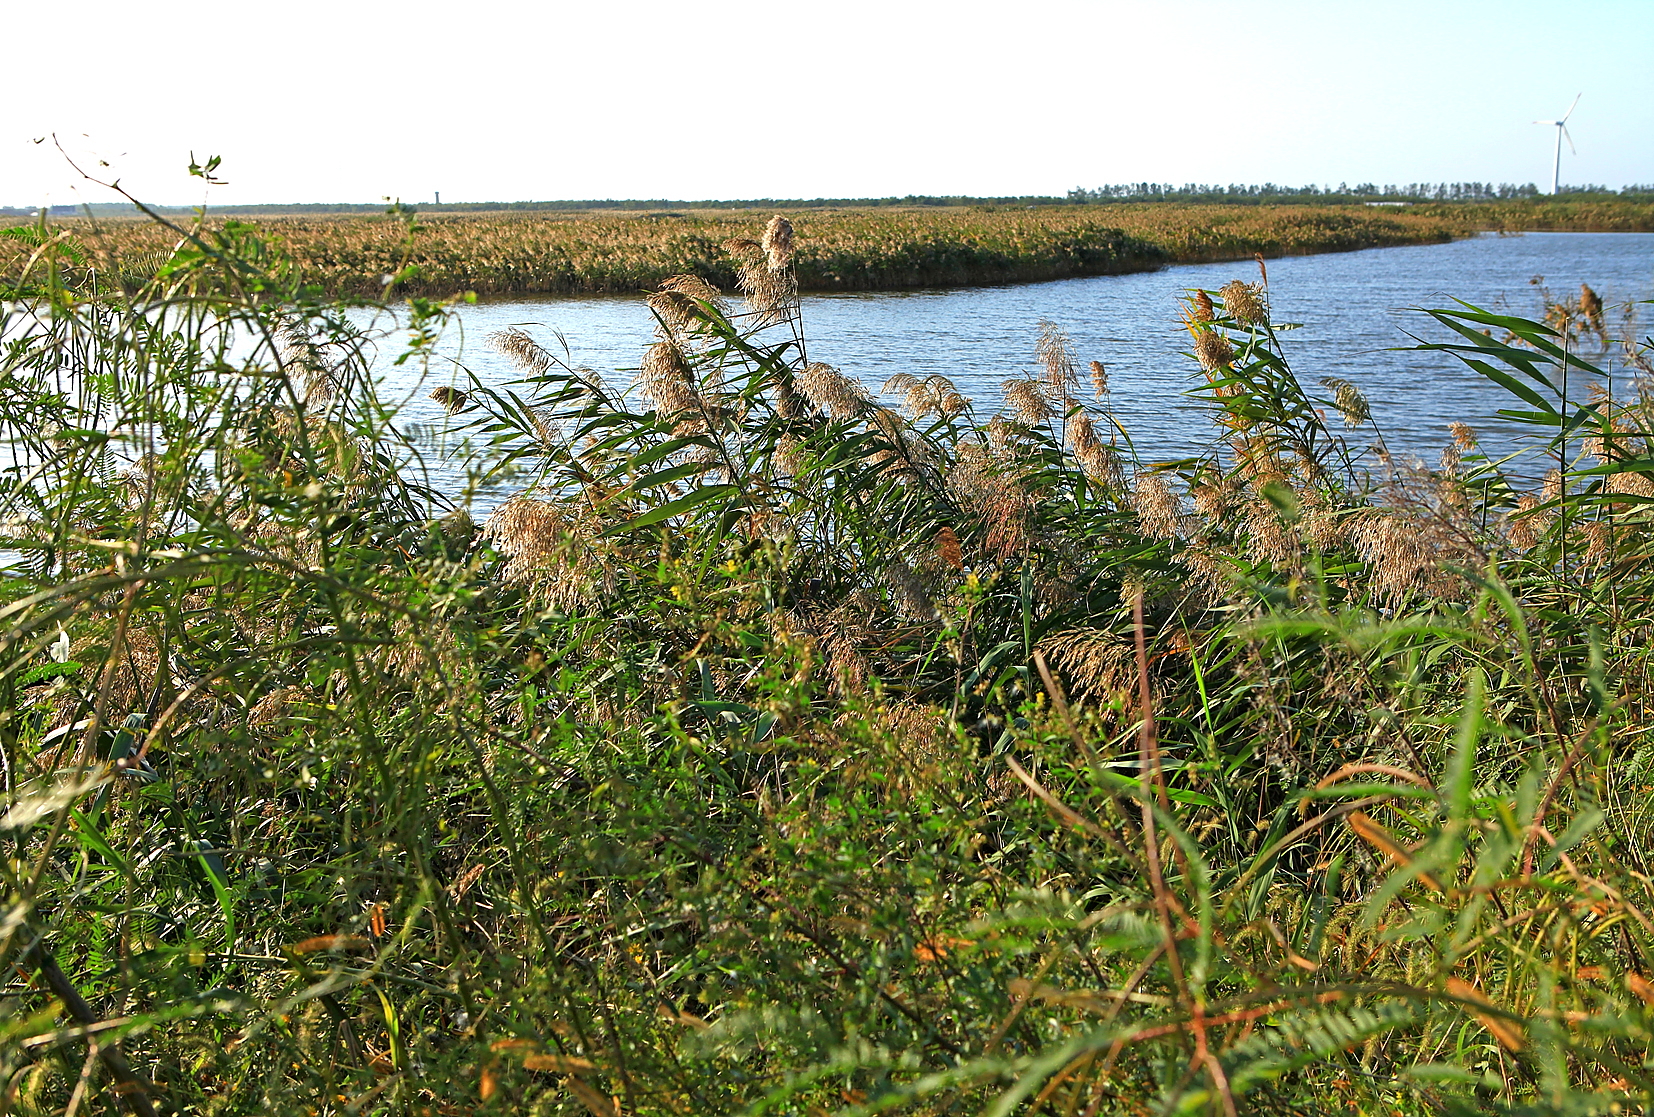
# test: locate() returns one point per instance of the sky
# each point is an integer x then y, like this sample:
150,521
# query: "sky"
344,101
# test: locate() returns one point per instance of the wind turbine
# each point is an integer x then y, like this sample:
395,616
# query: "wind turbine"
1561,130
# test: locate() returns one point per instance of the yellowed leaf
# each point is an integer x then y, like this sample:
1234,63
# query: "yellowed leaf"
558,1064
329,942
592,1098
1507,1032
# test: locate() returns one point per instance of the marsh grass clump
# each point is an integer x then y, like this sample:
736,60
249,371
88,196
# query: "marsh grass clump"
772,748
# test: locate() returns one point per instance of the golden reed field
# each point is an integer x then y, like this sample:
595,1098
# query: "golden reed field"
839,250
852,249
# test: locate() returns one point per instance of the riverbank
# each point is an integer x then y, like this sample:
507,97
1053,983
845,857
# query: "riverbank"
845,250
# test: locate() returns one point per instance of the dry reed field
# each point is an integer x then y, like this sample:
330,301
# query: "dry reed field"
843,250
850,250
782,747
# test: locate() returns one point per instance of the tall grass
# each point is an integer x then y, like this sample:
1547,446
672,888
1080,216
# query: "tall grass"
780,750
846,250
853,250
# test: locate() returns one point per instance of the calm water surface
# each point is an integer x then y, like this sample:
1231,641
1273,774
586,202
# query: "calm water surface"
1355,307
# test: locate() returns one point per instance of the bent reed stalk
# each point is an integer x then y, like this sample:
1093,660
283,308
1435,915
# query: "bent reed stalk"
773,749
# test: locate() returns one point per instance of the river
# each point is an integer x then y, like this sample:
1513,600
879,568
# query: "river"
1355,308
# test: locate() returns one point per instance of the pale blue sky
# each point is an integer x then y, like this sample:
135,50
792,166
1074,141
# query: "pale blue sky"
346,101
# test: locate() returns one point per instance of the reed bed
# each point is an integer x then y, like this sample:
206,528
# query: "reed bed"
851,250
786,747
506,254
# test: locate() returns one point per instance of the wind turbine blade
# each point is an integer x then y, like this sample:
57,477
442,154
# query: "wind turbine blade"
1571,146
1571,107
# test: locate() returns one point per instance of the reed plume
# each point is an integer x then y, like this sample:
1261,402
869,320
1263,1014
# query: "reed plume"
947,547
548,552
668,381
832,391
1089,451
1349,400
1590,305
682,303
451,399
989,488
1213,350
1099,379
778,242
1055,351
934,395
1527,523
1245,302
771,292
911,599
1028,401
522,350
1158,509
1097,663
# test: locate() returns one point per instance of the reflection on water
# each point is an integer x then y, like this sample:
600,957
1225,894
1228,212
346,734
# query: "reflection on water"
1355,309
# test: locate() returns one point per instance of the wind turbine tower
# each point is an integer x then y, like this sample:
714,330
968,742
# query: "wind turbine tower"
1561,130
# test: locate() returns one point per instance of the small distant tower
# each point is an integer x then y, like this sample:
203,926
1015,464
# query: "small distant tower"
439,197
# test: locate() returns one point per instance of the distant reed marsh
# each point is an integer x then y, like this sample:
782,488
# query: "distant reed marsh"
841,250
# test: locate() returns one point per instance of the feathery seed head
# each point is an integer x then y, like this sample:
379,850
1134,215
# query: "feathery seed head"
1087,448
1526,525
1201,308
1463,436
684,302
1244,302
1158,508
547,551
832,391
1099,378
1056,352
789,456
1599,540
947,548
1590,305
1213,499
778,242
1397,552
667,380
521,349
452,400
1098,662
1555,485
1631,483
1028,402
1213,350
1351,404
1451,458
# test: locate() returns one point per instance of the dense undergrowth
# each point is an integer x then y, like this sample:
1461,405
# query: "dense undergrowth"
780,751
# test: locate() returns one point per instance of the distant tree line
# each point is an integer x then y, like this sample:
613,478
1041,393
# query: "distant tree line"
1234,194
1271,193
657,205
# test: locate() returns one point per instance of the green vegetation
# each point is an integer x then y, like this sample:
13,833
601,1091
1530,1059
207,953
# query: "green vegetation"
778,751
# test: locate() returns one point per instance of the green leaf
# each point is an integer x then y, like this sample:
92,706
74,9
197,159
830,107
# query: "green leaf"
683,504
